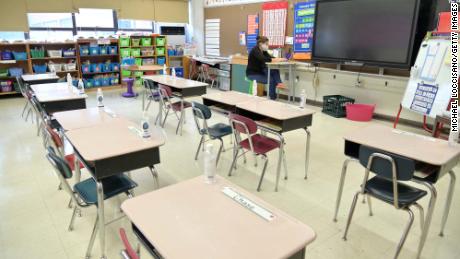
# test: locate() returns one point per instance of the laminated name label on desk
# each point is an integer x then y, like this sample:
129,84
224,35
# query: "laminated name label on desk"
414,135
247,203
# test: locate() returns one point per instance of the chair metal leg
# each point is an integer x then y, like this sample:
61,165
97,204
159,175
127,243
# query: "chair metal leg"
92,239
199,147
284,159
341,183
350,214
255,160
450,194
72,220
428,216
235,156
100,203
406,231
370,205
24,109
263,172
278,168
166,116
180,123
307,152
154,172
422,215
70,205
220,150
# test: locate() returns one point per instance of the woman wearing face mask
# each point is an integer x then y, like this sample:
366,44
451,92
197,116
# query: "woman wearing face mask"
257,68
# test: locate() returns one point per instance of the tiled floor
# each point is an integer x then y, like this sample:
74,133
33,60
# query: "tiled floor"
34,216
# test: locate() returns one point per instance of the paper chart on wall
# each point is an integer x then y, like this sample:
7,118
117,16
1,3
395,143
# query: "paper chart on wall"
212,37
274,22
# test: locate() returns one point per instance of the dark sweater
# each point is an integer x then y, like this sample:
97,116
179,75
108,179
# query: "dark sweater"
256,61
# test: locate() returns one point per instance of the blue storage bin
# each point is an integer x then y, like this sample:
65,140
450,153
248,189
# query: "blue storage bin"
115,67
171,52
112,50
84,50
40,68
96,82
96,68
128,61
85,69
75,83
7,55
105,81
94,50
20,55
114,80
103,50
161,61
88,83
106,67
179,71
15,71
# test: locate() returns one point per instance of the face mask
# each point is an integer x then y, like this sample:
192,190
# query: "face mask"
265,47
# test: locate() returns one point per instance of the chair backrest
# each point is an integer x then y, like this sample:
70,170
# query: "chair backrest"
54,136
165,91
205,67
59,163
21,85
242,124
129,251
201,112
381,163
149,84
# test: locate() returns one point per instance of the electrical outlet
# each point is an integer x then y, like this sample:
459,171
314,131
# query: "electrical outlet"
358,83
297,79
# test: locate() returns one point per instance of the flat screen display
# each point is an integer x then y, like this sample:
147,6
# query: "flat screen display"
372,32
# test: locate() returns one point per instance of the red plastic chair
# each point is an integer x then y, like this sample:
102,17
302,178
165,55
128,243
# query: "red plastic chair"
128,252
166,95
254,142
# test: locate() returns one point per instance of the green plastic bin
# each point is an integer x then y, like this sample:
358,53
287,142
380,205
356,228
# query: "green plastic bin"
125,52
138,73
135,42
138,61
135,52
125,73
146,42
160,51
124,41
160,41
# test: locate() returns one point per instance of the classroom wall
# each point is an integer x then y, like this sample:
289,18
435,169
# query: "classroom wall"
197,24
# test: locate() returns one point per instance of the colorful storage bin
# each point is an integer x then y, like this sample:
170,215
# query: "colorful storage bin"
40,68
7,55
146,42
112,50
94,50
138,73
96,68
115,67
135,52
37,53
179,71
160,41
54,53
69,53
128,61
3,72
135,42
161,61
85,69
103,50
125,73
88,83
148,61
124,41
20,55
17,71
105,81
6,86
138,62
114,81
84,50
96,82
125,52
160,51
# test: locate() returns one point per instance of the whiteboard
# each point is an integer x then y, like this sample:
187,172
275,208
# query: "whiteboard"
428,90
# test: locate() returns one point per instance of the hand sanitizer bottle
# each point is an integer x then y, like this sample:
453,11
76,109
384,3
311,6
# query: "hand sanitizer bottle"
69,80
81,87
100,98
302,99
145,125
254,87
165,72
173,72
209,164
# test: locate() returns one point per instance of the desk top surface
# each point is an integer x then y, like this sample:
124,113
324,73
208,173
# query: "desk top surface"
49,87
59,94
113,138
418,147
275,110
205,223
145,68
37,77
176,82
83,118
232,97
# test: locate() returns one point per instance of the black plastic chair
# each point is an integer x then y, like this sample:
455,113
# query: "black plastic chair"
216,131
390,169
84,193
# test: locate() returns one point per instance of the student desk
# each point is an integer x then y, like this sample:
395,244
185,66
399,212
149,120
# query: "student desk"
40,78
226,102
49,87
113,148
84,118
193,219
145,68
60,99
427,152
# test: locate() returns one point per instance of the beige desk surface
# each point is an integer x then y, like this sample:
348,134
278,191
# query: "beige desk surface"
176,82
58,95
36,77
275,110
145,68
112,139
418,147
49,87
193,219
232,97
84,118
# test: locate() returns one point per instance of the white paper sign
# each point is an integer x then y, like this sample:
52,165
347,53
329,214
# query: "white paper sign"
247,203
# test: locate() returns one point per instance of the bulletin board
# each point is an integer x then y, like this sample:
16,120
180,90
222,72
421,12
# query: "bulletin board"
274,27
304,21
428,89
252,32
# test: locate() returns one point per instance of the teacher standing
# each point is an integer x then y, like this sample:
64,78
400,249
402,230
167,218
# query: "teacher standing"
257,67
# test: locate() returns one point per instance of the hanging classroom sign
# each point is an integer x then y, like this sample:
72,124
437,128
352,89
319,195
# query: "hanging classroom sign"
304,20
252,32
274,25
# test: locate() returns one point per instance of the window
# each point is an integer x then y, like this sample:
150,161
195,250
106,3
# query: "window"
50,35
94,34
50,20
11,35
135,24
99,18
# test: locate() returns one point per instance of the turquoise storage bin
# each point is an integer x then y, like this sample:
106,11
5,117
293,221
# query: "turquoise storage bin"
96,68
84,50
103,50
105,81
94,50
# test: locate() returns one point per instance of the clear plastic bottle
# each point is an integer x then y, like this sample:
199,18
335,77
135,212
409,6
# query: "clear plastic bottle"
100,98
303,97
145,125
209,163
173,72
254,87
165,69
69,80
81,87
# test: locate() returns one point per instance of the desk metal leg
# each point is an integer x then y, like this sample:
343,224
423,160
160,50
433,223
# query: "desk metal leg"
101,218
341,183
76,164
307,152
450,194
154,172
159,118
428,217
143,99
268,83
181,119
291,85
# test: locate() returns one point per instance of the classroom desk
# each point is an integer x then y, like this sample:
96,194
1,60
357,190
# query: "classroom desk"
144,68
84,118
182,87
290,66
113,148
61,99
440,120
40,78
49,87
193,219
425,151
272,115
